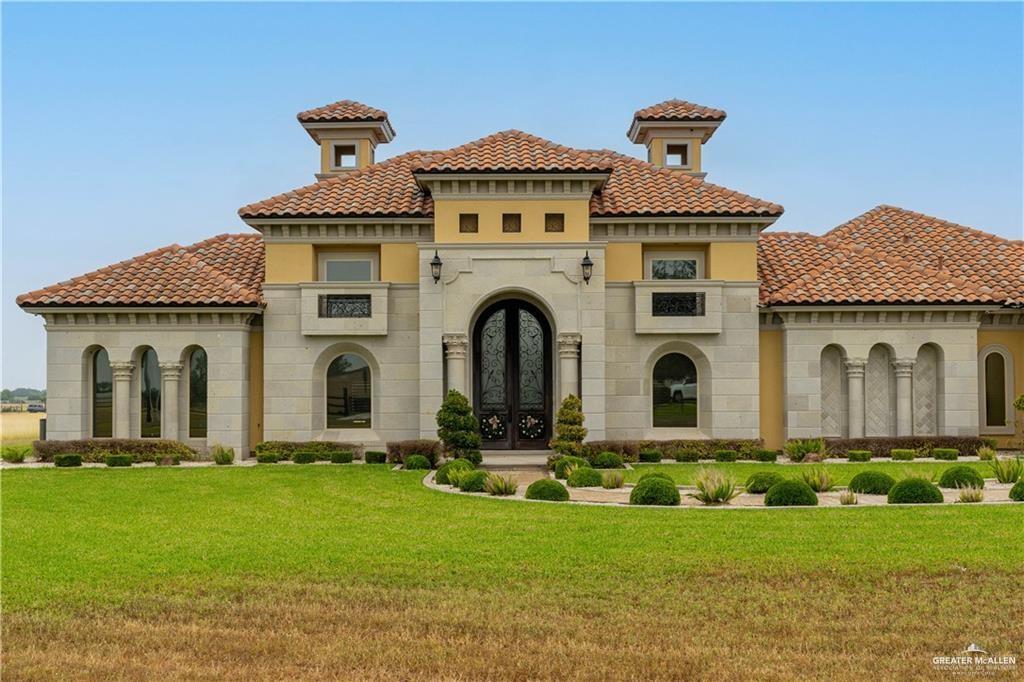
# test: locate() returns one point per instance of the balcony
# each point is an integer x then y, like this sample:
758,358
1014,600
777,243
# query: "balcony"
345,308
692,306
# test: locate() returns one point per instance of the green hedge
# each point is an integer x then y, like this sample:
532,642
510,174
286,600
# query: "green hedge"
650,456
902,454
266,457
67,459
859,455
948,454
284,449
343,457
398,450
303,457
96,450
880,447
375,457
726,456
118,460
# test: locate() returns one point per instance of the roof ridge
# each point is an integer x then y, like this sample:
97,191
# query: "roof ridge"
882,208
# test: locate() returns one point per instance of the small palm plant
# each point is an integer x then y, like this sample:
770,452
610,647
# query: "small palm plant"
714,487
500,485
818,479
1007,470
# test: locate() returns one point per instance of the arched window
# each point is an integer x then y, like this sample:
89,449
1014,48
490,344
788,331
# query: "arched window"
348,393
102,395
149,380
674,391
197,394
996,386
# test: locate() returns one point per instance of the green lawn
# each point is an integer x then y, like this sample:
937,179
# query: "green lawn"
842,472
360,572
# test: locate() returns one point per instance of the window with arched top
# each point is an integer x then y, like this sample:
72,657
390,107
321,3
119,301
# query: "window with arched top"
674,392
995,376
102,395
149,389
348,393
197,394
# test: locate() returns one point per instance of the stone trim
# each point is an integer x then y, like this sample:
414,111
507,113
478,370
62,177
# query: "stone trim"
511,185
142,318
679,230
968,317
344,231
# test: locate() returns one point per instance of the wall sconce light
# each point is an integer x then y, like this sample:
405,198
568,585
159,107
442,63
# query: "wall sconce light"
588,267
435,267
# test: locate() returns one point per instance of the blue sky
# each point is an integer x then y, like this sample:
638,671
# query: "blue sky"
129,127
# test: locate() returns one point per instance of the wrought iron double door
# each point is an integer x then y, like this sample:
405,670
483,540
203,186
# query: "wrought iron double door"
512,376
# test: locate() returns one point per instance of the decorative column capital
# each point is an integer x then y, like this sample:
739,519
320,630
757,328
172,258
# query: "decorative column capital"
569,344
455,345
855,367
904,367
171,370
122,370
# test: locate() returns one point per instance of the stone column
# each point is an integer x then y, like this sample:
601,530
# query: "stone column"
568,364
170,376
122,372
904,368
855,387
456,347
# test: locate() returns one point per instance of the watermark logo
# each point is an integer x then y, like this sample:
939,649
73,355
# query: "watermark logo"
974,660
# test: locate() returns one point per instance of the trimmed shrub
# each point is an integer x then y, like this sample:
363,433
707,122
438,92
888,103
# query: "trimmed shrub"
568,461
342,457
902,454
1009,470
474,456
400,449
686,455
118,460
457,428
472,481
375,457
818,479
417,462
798,449
714,487
947,454
859,455
650,456
629,450
547,489
14,454
500,485
569,429
584,477
607,460
67,460
790,493
655,474
766,455
94,450
961,476
726,456
441,477
284,449
986,453
881,447
167,460
655,491
222,455
266,457
1017,491
303,457
760,482
872,483
612,479
915,491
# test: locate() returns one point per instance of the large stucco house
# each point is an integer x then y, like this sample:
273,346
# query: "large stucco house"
518,271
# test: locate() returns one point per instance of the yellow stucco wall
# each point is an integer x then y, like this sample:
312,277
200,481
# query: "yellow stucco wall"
255,387
656,151
399,263
290,263
732,261
624,262
773,429
446,220
1014,342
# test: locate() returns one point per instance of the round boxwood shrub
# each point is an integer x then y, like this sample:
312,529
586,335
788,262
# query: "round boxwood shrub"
915,491
655,474
563,462
67,460
948,454
726,455
766,455
375,457
650,456
961,476
1017,491
341,457
872,483
547,489
417,462
607,460
118,460
473,482
455,465
761,481
585,477
267,458
655,491
790,493
859,455
303,457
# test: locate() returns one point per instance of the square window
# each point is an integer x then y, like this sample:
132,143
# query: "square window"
469,222
344,156
348,270
673,268
677,155
511,222
554,222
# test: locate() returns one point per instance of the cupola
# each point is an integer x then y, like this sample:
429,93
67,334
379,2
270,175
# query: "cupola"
674,132
348,133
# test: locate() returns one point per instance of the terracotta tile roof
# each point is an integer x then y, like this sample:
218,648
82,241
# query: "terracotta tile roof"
343,111
799,268
224,270
678,110
979,257
389,189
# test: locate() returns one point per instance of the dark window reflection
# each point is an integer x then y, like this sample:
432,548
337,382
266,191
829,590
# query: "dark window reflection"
348,393
675,392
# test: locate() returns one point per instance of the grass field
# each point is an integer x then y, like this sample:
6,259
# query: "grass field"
841,472
19,428
357,572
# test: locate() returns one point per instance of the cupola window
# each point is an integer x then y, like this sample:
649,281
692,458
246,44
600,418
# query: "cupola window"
344,156
677,155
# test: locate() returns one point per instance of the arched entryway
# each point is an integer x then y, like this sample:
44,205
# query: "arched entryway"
512,384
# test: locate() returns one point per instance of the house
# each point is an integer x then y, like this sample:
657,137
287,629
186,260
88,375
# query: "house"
520,271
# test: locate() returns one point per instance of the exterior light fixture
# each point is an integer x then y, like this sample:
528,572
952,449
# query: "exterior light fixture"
588,267
435,267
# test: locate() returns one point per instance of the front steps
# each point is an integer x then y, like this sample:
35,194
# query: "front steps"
515,460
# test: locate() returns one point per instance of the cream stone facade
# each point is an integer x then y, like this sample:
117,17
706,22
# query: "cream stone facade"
517,272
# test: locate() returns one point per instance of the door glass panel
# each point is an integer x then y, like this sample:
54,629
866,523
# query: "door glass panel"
531,362
492,363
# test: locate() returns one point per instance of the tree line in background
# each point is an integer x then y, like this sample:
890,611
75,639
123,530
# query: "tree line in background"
20,395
